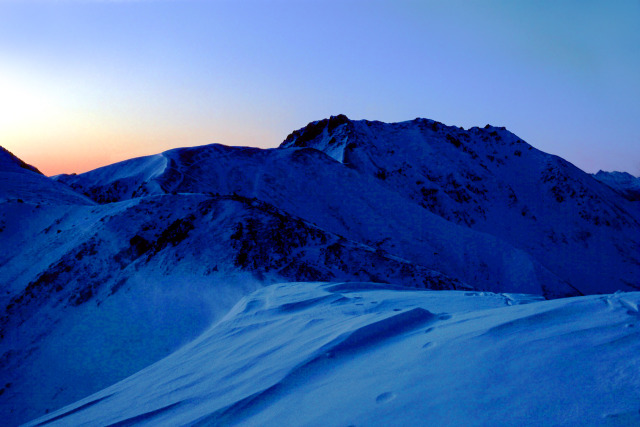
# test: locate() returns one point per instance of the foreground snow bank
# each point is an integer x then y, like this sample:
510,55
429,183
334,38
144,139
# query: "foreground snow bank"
367,354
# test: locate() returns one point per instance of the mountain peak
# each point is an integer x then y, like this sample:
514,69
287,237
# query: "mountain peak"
300,137
329,135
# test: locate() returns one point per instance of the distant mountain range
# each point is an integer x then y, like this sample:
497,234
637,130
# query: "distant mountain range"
107,272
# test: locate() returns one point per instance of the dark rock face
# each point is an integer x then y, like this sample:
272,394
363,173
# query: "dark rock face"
313,130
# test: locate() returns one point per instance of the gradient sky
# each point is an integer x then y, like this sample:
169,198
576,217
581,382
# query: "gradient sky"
88,83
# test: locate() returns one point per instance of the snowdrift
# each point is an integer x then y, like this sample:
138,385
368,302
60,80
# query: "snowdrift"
370,354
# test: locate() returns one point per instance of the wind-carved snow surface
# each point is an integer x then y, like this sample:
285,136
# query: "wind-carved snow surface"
367,354
129,272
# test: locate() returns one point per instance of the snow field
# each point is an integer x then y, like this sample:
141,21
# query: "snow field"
362,354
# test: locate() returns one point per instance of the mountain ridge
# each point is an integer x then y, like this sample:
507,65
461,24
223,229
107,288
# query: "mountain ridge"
484,179
8,159
623,182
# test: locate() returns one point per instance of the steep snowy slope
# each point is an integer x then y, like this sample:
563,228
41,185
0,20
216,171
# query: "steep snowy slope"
10,162
131,178
20,182
623,182
366,354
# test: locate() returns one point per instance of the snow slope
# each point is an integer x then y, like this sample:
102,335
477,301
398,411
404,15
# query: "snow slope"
370,354
84,285
95,293
133,177
623,182
12,163
20,182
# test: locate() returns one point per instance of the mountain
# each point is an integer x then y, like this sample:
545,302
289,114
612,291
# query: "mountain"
429,193
311,185
93,293
491,181
12,163
623,182
365,354
20,182
112,271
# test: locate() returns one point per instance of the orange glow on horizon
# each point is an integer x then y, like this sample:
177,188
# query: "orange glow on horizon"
56,127
73,154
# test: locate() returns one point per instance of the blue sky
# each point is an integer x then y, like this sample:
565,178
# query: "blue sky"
87,83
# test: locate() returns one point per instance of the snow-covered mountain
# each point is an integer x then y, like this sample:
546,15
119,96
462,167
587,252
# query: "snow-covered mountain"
94,293
429,193
311,185
623,182
105,273
493,182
